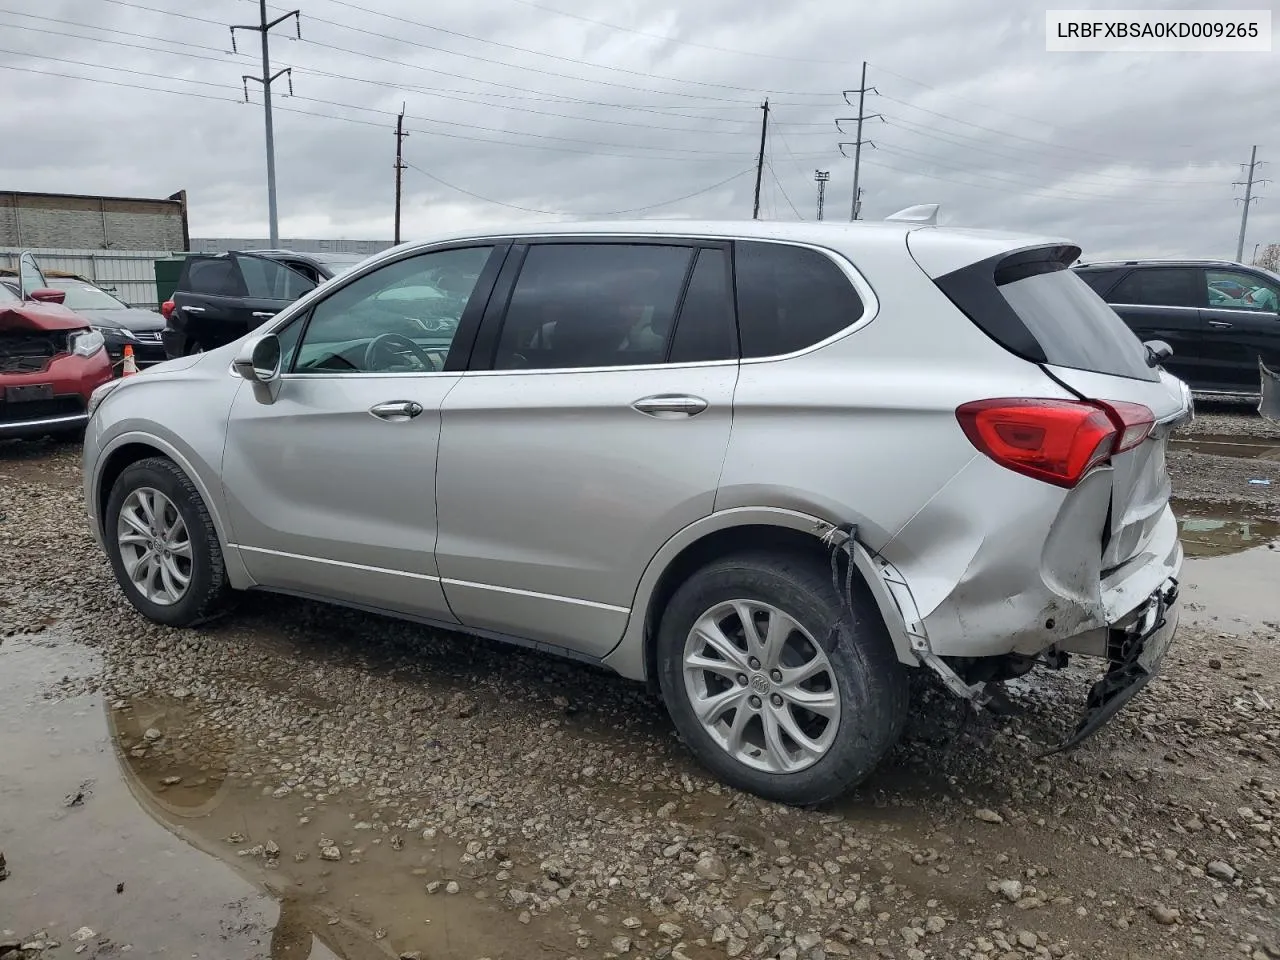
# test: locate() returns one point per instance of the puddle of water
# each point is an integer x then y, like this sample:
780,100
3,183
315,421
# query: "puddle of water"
1235,587
1223,532
1233,565
1229,446
100,862
371,900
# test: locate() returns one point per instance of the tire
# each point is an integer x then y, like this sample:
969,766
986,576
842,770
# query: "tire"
862,670
206,589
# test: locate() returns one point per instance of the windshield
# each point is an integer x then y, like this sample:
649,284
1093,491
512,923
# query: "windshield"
85,296
7,294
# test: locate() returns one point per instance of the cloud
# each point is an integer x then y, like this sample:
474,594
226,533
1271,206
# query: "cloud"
1129,155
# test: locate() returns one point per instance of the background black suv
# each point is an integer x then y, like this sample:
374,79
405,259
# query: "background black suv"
221,297
1220,317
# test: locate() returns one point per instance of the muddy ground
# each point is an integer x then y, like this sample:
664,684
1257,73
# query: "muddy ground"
297,780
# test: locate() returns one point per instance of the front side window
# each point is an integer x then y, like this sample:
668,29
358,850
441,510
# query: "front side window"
1235,290
271,280
1161,287
789,298
400,318
593,305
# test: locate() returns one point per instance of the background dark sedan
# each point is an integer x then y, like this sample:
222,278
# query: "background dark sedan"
119,323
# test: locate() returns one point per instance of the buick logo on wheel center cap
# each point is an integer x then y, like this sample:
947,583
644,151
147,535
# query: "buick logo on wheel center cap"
760,683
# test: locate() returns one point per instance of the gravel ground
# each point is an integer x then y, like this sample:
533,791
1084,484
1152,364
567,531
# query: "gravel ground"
406,790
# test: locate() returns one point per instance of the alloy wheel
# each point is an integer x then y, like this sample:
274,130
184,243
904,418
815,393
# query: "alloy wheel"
155,547
761,686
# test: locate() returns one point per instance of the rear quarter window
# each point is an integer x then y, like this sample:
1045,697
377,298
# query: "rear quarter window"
789,298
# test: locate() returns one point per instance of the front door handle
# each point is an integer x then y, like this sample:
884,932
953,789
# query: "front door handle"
265,314
1220,324
669,406
396,411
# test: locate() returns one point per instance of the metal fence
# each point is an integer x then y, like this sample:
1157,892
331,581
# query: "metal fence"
129,274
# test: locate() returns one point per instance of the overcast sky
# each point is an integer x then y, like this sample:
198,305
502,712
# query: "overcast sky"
586,107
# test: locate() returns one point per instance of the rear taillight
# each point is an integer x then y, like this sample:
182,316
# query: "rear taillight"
1134,421
166,308
1057,441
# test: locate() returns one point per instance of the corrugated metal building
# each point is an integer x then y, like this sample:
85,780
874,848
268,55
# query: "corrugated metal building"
128,274
366,248
68,221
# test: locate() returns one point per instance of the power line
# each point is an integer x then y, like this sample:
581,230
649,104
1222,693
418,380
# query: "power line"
1004,133
558,213
783,190
692,153
549,73
92,26
331,116
962,140
539,53
956,96
1032,183
657,36
1041,195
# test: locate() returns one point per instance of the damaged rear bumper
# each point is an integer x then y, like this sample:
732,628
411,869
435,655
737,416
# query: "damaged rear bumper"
1135,653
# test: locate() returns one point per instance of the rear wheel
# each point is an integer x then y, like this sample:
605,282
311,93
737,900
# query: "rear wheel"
771,682
162,544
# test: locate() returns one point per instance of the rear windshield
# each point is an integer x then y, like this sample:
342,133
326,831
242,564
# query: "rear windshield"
1075,327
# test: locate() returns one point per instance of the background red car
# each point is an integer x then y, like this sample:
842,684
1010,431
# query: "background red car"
50,359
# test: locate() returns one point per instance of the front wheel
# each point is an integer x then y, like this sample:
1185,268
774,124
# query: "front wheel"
162,544
771,682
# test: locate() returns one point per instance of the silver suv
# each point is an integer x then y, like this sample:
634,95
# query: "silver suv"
769,469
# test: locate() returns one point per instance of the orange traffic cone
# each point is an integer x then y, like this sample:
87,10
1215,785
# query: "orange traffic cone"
130,365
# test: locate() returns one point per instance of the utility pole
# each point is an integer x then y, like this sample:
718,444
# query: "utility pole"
1249,198
400,135
764,132
857,203
862,91
821,176
263,27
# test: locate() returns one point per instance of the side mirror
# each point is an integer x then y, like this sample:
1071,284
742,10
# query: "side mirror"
1157,352
48,295
259,359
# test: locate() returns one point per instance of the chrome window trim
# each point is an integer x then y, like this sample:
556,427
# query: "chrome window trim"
870,302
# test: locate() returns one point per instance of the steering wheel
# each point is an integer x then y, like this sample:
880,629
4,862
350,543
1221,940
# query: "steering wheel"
395,344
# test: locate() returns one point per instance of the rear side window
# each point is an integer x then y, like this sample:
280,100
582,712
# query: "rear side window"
218,278
705,330
1099,280
1162,287
789,298
271,280
1074,326
593,305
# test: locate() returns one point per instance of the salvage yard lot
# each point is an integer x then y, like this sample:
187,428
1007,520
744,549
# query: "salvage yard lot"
401,789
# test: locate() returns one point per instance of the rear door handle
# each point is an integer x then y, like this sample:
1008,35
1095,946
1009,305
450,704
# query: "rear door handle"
1220,324
266,314
193,309
669,406
396,411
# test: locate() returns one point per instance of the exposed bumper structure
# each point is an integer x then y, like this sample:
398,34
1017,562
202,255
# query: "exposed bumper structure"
1136,653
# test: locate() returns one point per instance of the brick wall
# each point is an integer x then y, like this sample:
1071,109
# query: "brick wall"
100,223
